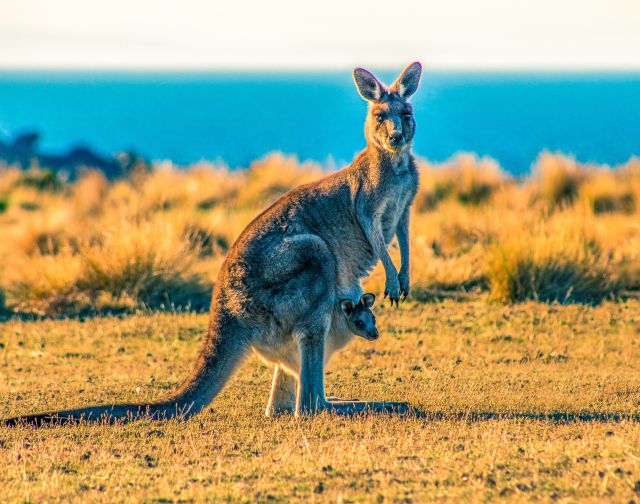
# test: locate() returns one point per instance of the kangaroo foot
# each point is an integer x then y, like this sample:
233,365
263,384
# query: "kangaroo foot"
341,399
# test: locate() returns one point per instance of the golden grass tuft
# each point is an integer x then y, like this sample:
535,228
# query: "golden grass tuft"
89,191
150,263
557,179
41,179
562,267
270,177
606,191
46,285
464,178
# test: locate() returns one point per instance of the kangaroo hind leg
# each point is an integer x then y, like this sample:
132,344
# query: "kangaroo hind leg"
282,399
310,339
311,397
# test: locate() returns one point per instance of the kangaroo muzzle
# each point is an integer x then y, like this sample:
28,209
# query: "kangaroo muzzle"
372,335
396,139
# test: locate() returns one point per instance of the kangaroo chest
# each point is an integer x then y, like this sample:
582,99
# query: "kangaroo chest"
396,197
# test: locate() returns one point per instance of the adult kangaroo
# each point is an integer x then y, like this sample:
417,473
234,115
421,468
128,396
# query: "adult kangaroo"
279,288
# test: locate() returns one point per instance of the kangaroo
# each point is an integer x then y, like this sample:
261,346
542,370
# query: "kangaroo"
360,319
280,284
349,320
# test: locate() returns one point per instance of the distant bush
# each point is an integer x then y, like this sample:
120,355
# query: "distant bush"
46,285
50,232
455,239
606,192
52,243
557,179
88,191
465,178
149,263
29,206
205,242
9,176
559,182
41,179
3,303
4,205
549,268
627,271
272,176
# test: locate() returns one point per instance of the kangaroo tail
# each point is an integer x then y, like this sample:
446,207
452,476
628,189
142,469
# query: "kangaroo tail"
224,349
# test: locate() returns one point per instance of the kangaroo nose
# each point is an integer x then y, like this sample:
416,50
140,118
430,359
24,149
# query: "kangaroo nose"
395,137
374,335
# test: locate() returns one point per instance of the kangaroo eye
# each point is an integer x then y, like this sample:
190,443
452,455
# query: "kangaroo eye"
379,117
359,324
406,115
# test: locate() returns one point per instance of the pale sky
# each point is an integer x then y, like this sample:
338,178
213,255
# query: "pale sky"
290,34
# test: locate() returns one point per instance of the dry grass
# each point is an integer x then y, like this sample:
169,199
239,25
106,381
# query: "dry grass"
150,263
569,232
543,266
557,179
465,179
527,401
608,191
523,402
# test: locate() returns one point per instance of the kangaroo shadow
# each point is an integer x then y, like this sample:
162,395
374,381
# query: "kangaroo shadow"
407,410
559,417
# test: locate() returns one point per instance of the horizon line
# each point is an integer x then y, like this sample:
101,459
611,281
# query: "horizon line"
244,69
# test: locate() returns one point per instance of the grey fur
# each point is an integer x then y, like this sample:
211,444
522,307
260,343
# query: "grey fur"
279,287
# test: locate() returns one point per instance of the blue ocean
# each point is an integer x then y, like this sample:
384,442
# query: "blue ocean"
239,117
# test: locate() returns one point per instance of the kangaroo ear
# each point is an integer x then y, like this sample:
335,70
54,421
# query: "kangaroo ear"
347,306
368,86
368,299
407,83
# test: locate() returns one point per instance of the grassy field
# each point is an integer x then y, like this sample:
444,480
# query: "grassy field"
519,347
527,401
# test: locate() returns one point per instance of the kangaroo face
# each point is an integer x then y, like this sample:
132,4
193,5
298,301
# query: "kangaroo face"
389,125
360,319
